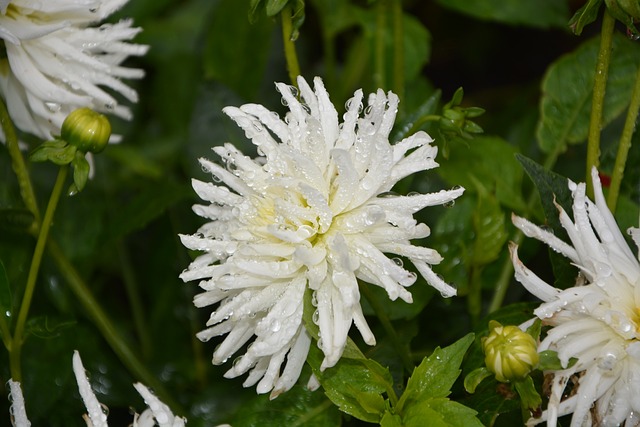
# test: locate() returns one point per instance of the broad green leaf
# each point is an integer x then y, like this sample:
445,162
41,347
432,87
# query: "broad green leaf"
536,13
478,163
355,386
491,233
440,412
274,7
553,189
415,120
229,44
567,88
298,407
436,374
549,360
391,420
492,400
584,16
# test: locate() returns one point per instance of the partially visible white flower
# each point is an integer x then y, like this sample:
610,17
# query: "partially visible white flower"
58,62
313,213
597,323
18,410
157,411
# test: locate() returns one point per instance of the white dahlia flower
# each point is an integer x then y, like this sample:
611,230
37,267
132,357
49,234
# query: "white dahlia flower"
596,322
56,61
314,212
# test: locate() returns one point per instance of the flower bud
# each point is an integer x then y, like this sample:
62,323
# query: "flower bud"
87,130
509,352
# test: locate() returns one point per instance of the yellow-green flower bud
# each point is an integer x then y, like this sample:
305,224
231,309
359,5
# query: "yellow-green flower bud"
87,130
509,352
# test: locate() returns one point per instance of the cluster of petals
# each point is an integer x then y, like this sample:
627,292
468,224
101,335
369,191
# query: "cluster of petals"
58,61
596,322
157,413
310,217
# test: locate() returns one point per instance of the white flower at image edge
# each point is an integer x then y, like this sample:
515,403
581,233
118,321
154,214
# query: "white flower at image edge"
314,211
57,62
597,323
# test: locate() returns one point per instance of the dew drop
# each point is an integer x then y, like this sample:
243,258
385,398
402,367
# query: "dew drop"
315,317
449,204
54,107
398,262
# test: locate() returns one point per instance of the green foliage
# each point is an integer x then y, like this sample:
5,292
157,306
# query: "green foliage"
565,107
584,16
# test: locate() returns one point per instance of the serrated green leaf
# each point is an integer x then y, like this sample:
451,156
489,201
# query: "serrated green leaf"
440,412
565,106
297,407
539,13
474,378
584,16
479,161
491,233
436,374
355,386
553,189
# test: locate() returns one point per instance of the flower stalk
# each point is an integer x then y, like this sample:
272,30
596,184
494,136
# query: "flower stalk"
289,46
43,234
597,103
624,146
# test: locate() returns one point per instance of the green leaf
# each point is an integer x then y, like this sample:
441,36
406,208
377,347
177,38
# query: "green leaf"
565,106
535,328
275,6
549,361
5,291
228,36
491,233
476,376
528,394
436,374
440,412
538,13
553,188
479,161
297,407
584,16
391,420
415,120
355,386
80,170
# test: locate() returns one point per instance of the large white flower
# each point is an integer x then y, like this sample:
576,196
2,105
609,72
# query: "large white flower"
314,212
57,62
597,321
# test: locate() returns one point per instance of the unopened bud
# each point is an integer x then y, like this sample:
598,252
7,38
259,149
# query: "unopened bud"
509,352
87,130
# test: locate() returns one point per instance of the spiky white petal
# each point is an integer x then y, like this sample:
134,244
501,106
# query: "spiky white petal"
596,322
314,213
18,411
57,61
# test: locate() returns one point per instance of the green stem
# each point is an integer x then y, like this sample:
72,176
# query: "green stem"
506,273
398,49
106,327
625,145
597,103
402,348
289,47
133,294
379,76
18,336
18,164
